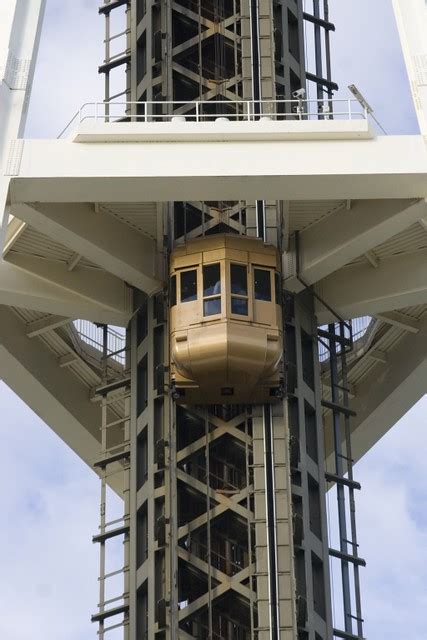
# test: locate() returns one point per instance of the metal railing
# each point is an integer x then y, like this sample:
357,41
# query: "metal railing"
359,328
92,335
211,111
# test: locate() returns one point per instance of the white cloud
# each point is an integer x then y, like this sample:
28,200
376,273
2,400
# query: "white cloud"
366,51
50,507
67,67
392,535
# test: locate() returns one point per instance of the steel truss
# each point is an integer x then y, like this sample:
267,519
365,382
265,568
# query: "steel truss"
227,510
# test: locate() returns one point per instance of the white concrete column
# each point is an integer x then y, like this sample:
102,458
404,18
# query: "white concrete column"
411,17
20,28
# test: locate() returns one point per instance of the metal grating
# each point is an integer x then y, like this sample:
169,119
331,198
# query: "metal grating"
304,213
34,243
140,216
413,239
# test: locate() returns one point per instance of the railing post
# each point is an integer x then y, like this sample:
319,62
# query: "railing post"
197,111
350,115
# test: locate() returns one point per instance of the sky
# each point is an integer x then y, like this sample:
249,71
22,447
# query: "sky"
49,566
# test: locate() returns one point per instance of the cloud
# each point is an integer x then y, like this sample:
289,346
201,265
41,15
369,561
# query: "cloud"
391,534
67,67
366,51
50,507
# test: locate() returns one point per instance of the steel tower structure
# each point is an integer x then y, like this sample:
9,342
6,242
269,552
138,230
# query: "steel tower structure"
227,520
224,528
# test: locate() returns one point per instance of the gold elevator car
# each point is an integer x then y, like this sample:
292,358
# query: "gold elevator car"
225,321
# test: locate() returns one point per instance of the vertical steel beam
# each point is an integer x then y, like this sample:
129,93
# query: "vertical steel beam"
314,618
20,29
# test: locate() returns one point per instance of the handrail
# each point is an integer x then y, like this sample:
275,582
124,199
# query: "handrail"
93,335
360,326
212,110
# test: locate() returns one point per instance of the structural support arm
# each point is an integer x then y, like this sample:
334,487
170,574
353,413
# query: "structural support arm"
88,294
359,290
343,236
98,237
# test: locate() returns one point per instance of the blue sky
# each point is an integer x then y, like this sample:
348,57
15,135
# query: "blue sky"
48,564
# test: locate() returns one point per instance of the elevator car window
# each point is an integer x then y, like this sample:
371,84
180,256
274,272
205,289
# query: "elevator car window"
211,289
239,289
262,284
189,286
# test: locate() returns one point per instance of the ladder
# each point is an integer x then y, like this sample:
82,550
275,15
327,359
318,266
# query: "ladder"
338,340
113,10
113,467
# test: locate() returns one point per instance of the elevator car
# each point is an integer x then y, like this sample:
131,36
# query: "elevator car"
225,321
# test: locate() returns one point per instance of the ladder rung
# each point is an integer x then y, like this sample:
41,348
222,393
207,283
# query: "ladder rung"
113,626
114,423
116,599
334,337
345,635
108,524
120,531
106,8
347,557
115,457
114,573
108,66
112,386
331,477
338,407
103,615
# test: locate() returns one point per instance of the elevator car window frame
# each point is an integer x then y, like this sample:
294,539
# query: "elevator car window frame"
212,305
277,287
239,296
191,276
262,284
172,291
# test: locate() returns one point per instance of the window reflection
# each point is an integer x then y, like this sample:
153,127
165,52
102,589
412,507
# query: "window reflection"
189,286
262,284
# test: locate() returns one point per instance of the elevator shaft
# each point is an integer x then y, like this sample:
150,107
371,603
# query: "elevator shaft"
228,536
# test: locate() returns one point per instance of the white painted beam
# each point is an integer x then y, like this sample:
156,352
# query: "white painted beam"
73,261
372,259
345,235
56,395
39,327
62,171
19,287
411,17
68,359
387,393
15,228
358,290
94,129
99,237
400,320
377,354
20,28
